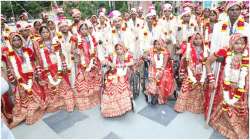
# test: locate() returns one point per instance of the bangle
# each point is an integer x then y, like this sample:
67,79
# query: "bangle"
210,74
210,81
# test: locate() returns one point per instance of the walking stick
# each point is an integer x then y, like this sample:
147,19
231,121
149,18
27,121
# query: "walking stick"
211,102
104,71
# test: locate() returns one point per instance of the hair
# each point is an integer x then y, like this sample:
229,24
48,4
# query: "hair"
36,22
15,35
213,11
155,41
43,27
84,24
120,44
51,21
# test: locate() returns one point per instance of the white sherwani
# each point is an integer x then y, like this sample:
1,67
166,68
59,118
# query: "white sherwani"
135,28
147,37
221,39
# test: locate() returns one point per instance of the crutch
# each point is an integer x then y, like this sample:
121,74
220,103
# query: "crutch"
211,102
104,69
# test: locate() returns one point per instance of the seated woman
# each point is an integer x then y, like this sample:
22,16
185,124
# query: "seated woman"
28,97
117,97
193,71
161,83
230,114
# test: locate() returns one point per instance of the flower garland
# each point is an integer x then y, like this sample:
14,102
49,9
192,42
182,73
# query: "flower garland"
92,57
240,25
121,68
159,62
190,73
65,45
239,76
14,59
43,53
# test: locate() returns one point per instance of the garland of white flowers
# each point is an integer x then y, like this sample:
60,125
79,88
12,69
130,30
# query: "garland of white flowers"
206,34
45,65
121,68
29,84
65,44
190,73
159,63
92,51
92,46
240,75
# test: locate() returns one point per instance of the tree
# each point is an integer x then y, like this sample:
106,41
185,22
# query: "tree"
34,8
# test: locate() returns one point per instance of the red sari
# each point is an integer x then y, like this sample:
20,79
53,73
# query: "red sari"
28,105
231,120
88,79
116,99
191,98
57,96
165,85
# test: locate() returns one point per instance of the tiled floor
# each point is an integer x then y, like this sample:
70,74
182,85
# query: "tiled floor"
148,121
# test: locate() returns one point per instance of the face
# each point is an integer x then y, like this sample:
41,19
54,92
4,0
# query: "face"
119,49
157,45
102,19
84,30
76,18
16,42
60,14
206,13
198,10
197,40
234,12
45,18
117,23
91,29
126,16
140,13
25,33
133,15
239,45
45,34
64,28
167,13
25,17
37,25
186,17
150,20
94,19
51,25
213,16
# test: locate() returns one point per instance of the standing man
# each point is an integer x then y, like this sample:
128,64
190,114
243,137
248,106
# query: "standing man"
233,24
76,15
68,45
169,27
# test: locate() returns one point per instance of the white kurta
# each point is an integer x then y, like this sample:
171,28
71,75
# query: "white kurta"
135,28
169,28
147,37
221,39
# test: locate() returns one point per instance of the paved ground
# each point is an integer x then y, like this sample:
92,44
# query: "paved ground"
159,121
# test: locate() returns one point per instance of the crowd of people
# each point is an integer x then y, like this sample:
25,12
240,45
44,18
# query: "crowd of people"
201,56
